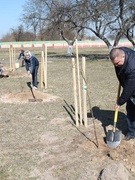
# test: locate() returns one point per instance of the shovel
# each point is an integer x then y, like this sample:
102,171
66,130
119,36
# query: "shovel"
34,98
114,136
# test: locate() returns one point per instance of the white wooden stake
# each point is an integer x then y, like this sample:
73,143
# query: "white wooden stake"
13,58
78,80
41,69
45,73
10,56
75,91
84,92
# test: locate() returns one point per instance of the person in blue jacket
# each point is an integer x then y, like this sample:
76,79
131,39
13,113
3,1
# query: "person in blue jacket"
21,55
123,59
32,65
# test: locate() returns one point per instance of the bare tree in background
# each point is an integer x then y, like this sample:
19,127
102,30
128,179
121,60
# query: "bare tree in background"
19,34
51,15
104,18
125,21
69,18
61,15
131,23
34,17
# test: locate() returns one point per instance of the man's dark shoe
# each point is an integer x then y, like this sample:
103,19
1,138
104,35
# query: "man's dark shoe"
129,137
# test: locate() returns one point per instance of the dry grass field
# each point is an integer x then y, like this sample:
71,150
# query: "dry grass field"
40,141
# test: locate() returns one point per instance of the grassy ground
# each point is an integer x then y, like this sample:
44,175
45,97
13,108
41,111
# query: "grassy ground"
39,141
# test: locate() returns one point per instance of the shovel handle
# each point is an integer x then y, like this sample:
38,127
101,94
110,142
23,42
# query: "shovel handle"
116,115
116,110
115,120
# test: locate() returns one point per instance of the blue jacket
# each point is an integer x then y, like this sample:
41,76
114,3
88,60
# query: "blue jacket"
126,76
31,63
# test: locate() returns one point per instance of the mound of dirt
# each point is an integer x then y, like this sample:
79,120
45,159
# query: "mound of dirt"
26,97
115,171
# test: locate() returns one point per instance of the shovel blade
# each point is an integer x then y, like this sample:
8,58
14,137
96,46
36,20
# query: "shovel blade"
113,138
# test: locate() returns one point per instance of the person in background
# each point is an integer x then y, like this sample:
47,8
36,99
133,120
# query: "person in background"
123,59
21,55
1,68
32,65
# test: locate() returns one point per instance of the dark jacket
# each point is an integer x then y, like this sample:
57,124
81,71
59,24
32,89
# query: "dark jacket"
126,76
21,55
31,63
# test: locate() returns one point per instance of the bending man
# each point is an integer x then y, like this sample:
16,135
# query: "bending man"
124,62
32,65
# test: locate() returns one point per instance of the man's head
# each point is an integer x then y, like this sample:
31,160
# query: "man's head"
117,56
27,54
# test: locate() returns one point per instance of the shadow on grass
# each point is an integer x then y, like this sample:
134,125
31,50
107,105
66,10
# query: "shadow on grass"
106,117
3,76
88,56
71,112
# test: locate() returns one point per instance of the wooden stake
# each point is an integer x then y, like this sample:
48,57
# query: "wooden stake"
78,80
10,56
43,77
45,69
13,58
41,70
14,54
84,92
75,91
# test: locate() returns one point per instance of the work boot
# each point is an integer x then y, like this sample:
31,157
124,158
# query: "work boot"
128,137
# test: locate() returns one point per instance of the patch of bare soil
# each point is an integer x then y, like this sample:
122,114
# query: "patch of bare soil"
26,97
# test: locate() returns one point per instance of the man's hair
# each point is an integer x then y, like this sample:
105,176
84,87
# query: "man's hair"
27,53
115,53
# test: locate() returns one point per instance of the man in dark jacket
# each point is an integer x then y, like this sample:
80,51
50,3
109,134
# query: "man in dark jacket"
124,62
32,65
